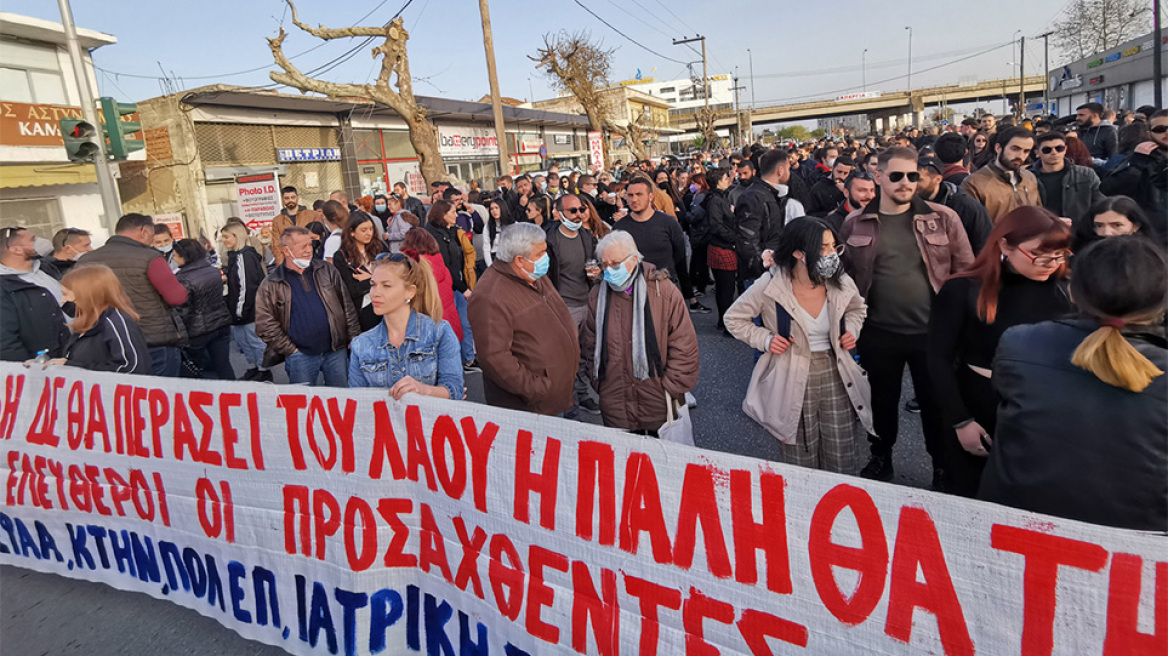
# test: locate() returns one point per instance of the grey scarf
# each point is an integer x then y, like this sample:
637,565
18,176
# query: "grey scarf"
642,368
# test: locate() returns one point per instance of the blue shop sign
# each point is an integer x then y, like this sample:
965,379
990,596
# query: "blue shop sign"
308,154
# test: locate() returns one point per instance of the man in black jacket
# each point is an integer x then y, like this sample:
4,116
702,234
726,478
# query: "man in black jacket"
570,247
69,244
1066,188
828,193
1144,175
762,211
30,313
859,190
1102,140
974,217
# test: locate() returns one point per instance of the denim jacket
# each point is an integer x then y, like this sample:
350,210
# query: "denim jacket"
429,354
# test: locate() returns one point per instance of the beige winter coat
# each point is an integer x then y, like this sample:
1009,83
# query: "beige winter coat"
778,385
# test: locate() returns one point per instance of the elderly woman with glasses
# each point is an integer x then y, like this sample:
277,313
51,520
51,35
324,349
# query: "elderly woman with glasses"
413,349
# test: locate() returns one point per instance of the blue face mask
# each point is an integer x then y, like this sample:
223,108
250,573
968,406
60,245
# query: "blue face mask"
379,208
571,225
541,267
617,276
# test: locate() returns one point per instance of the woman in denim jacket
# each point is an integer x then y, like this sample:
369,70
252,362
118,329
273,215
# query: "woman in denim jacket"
412,350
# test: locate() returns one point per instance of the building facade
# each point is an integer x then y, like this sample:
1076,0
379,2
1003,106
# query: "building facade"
624,105
39,188
209,150
1119,78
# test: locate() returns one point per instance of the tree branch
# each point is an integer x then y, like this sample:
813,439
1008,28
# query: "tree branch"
326,33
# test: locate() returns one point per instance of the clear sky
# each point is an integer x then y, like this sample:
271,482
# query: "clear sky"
801,50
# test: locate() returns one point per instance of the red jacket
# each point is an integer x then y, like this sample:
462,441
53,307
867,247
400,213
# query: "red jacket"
446,293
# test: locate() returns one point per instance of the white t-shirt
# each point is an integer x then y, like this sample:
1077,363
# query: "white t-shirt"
332,244
818,328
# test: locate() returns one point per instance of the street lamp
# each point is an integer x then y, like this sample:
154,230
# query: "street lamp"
910,60
864,69
751,56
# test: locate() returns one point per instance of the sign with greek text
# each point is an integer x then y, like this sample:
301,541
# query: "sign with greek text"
330,521
259,198
596,150
308,154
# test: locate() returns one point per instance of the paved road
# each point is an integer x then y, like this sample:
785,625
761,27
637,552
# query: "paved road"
46,614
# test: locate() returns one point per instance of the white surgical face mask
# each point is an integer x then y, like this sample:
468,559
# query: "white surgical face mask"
164,249
302,262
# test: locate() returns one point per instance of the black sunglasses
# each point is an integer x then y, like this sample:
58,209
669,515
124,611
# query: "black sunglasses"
1158,129
396,257
897,176
862,175
1046,150
7,232
573,210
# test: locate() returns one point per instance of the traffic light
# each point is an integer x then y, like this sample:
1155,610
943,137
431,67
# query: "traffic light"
80,140
119,131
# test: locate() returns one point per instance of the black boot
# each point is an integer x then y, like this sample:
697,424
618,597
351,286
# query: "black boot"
879,468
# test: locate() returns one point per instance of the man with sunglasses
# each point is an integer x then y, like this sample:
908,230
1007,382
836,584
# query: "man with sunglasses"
1066,188
1004,184
571,248
900,249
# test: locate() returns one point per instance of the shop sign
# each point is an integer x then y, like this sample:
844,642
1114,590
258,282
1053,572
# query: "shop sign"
1096,80
456,141
530,145
308,154
1112,57
1131,51
562,139
22,124
174,221
1094,63
596,150
259,198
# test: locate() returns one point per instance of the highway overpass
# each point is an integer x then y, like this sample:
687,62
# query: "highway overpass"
888,110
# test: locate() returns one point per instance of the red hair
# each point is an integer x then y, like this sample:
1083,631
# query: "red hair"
1021,225
1077,152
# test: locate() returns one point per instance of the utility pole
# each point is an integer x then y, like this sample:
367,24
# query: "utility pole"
705,80
496,102
1022,78
911,109
864,70
105,181
1157,56
1046,72
738,110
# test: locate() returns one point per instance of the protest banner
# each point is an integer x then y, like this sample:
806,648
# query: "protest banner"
331,521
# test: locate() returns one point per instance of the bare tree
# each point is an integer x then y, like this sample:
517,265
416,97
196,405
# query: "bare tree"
636,132
705,119
395,68
574,63
1088,27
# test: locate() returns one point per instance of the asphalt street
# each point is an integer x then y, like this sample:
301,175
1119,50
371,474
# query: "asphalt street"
43,614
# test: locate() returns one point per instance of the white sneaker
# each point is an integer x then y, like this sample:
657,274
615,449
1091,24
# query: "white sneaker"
691,401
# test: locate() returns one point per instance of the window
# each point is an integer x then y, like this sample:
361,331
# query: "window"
665,90
40,215
30,74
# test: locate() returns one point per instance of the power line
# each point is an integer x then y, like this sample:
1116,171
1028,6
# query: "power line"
250,70
627,37
891,79
871,65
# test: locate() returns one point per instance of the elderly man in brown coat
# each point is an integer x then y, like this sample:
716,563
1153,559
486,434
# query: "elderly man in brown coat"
638,341
525,337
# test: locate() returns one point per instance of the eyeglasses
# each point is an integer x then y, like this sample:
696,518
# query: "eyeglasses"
838,250
862,175
1046,150
1045,260
396,257
572,210
897,176
1158,129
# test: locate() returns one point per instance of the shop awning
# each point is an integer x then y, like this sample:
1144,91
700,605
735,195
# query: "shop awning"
42,175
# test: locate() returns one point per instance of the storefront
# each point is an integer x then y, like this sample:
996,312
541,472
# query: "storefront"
39,188
1120,78
470,152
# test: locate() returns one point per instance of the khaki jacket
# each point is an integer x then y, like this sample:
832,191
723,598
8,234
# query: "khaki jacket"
940,236
526,342
274,309
779,382
282,222
468,259
625,401
994,187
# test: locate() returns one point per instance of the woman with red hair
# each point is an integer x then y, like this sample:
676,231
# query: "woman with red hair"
1018,278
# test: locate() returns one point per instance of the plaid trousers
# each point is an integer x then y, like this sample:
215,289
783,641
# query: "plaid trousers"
828,436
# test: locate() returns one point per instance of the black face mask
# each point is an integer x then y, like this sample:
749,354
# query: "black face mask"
663,185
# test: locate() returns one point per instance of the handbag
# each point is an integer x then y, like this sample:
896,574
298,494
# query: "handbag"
677,428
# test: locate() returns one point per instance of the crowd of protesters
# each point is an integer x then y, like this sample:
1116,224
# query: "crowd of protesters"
1016,267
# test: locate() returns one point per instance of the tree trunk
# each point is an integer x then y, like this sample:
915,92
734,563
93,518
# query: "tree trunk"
424,138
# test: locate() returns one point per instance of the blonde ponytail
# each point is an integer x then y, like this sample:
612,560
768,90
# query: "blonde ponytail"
426,300
1114,360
